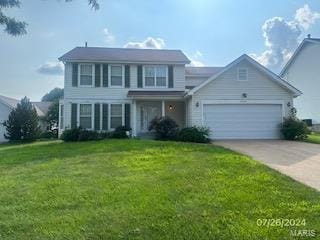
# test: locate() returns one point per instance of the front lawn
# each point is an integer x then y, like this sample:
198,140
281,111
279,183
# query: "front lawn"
313,138
140,189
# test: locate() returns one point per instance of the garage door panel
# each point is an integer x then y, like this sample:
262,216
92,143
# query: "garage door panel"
243,121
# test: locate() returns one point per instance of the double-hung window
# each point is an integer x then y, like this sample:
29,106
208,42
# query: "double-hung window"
116,75
86,74
155,76
86,116
116,115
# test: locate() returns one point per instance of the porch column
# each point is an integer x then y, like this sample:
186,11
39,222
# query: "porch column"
163,108
134,116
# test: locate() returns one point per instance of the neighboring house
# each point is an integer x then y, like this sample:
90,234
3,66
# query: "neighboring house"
108,87
8,104
303,71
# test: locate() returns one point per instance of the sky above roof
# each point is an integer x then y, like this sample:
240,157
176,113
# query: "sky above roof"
210,33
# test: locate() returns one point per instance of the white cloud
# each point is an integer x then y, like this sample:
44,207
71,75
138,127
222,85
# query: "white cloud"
282,37
150,42
51,68
196,59
305,17
109,38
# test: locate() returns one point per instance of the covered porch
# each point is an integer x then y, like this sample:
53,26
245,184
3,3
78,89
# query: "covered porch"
150,104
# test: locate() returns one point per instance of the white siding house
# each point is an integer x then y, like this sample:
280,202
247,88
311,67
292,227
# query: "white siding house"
241,100
303,71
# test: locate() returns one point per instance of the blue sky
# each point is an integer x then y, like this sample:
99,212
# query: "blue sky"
211,32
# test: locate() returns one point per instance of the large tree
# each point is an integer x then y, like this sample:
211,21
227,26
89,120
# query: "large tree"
22,123
54,95
15,27
52,117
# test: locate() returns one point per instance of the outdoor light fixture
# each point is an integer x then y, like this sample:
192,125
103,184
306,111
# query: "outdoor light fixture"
244,95
170,107
197,104
288,104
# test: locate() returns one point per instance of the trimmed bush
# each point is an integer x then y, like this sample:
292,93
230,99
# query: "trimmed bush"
79,134
165,128
120,132
294,129
49,135
86,135
70,135
194,134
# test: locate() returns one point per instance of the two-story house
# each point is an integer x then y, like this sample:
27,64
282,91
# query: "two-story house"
303,70
109,87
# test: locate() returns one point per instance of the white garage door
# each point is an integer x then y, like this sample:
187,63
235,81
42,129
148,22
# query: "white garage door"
243,121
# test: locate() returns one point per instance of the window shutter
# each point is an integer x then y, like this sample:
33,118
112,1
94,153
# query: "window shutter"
127,115
74,115
105,75
97,116
105,116
74,75
97,73
139,76
127,76
170,73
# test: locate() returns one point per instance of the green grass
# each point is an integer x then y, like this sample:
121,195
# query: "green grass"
313,138
140,189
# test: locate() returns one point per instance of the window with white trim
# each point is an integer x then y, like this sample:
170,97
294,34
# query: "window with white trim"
86,74
86,116
242,74
61,116
155,76
116,75
116,115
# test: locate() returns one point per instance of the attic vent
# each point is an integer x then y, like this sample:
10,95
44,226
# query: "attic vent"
242,74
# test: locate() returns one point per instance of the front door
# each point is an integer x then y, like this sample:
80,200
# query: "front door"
149,111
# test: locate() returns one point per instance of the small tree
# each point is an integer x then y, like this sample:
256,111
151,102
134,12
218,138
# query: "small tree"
22,123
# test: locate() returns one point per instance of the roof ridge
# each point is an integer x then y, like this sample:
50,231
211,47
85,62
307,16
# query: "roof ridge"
123,48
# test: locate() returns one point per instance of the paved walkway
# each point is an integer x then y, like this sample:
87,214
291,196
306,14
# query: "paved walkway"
298,160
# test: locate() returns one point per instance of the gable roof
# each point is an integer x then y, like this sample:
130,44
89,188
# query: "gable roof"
263,69
297,51
41,107
124,55
10,102
202,71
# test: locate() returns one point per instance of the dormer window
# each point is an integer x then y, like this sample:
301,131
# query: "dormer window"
242,74
155,76
86,75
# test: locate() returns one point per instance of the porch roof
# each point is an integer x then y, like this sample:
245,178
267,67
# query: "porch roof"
156,94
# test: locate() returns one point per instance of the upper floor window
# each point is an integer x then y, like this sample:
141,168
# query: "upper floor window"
86,116
242,74
155,76
116,75
86,74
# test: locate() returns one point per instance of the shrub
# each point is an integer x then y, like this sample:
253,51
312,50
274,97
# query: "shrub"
71,135
49,134
86,135
120,132
194,134
294,129
165,128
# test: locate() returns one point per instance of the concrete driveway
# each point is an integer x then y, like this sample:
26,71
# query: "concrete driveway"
298,160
